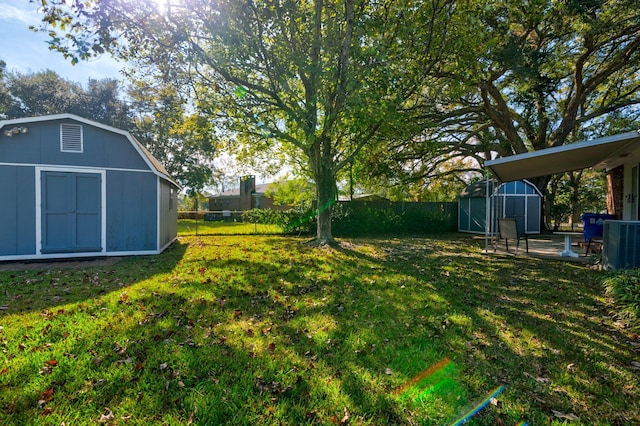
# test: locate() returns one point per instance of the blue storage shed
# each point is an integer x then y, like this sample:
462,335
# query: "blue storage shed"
72,187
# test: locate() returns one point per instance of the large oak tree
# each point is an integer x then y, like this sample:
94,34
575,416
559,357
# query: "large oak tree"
326,77
524,76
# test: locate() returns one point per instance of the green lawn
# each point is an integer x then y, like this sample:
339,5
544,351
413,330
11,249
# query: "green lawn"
265,330
189,227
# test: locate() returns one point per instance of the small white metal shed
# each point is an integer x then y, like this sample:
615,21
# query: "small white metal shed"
518,199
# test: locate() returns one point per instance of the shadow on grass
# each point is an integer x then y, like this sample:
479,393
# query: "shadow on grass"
40,289
235,333
539,327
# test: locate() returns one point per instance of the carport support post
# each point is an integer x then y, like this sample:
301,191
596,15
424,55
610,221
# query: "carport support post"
487,215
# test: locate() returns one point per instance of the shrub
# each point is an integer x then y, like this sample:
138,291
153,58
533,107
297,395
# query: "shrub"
264,216
624,288
358,218
291,221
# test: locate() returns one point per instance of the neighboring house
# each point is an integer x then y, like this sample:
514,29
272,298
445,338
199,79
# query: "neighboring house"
364,197
71,187
248,196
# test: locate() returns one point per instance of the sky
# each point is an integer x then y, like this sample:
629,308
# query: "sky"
24,50
27,51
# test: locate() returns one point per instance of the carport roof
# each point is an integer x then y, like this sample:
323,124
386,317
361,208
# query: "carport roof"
603,153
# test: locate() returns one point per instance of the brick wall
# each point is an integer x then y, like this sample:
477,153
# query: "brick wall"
615,196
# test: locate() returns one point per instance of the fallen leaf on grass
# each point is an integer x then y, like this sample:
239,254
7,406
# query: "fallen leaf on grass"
45,397
106,417
47,411
4,307
45,370
635,365
387,371
345,418
560,415
51,363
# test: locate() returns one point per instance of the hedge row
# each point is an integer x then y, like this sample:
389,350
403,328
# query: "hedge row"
364,218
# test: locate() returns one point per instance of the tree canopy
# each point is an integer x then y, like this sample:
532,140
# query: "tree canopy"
324,77
394,87
526,76
183,142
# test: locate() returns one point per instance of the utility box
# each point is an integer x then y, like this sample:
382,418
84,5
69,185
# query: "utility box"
621,248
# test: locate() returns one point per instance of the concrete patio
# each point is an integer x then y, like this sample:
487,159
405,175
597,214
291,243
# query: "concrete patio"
545,245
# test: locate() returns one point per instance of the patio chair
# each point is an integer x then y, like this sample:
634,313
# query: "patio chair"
508,230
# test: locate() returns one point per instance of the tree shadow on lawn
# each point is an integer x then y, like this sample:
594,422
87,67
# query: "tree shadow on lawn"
545,321
492,320
340,320
38,289
309,335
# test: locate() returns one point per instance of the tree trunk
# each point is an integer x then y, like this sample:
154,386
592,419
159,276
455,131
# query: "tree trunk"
542,184
325,183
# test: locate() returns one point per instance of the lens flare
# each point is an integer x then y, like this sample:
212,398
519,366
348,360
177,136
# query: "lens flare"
440,365
479,407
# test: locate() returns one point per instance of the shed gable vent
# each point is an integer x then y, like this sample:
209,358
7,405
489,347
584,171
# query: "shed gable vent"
71,138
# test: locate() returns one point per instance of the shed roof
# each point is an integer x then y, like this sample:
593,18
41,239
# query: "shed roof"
603,153
156,166
477,189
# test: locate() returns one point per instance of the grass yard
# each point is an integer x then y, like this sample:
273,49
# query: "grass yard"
189,227
264,330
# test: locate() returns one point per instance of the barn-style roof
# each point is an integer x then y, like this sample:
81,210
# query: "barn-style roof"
154,164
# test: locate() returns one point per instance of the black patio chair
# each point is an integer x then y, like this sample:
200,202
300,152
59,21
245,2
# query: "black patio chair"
508,230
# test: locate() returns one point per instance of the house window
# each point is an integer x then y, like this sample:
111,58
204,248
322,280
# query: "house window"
71,138
171,199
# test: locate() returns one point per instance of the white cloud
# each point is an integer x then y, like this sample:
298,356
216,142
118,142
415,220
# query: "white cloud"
16,11
27,51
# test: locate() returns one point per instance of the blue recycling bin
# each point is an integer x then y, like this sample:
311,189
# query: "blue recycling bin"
593,224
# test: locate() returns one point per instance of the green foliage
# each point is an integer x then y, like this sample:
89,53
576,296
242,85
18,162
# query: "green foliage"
183,142
266,216
573,193
297,192
45,93
624,288
519,77
363,218
317,80
292,221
